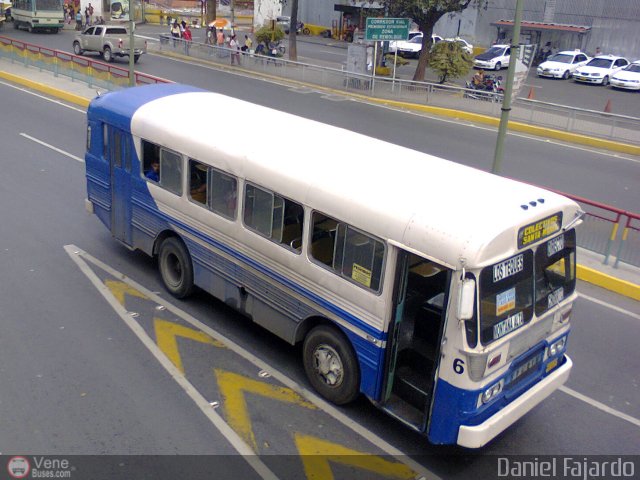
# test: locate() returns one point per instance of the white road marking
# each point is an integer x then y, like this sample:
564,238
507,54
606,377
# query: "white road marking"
49,99
75,252
55,149
79,257
608,305
601,406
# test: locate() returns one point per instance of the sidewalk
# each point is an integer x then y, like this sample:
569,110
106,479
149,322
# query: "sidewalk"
624,280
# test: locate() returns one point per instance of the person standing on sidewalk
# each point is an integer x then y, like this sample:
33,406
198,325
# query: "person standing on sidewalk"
187,37
78,20
220,42
235,50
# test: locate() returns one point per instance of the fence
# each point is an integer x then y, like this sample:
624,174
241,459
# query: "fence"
92,72
588,122
599,232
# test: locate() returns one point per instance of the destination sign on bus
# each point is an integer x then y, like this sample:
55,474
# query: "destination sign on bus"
541,229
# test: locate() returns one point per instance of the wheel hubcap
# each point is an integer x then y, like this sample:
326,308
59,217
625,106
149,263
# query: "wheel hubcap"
328,365
174,270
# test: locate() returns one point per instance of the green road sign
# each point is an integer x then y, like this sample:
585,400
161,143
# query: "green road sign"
381,29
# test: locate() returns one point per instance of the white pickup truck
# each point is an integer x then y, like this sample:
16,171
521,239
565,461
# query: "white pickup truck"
108,40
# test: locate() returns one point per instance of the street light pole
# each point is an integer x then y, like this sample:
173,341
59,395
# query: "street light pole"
506,101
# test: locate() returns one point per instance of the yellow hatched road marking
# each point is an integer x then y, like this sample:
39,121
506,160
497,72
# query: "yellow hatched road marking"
233,388
317,456
121,289
166,333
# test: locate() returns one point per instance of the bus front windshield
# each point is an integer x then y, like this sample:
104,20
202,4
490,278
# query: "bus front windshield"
555,271
513,289
506,296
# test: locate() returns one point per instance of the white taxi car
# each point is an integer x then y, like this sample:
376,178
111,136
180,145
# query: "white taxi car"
600,69
495,58
562,64
628,78
411,48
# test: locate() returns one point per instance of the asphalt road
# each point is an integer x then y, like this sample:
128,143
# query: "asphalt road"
86,385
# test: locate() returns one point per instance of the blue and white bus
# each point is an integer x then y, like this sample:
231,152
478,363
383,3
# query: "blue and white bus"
441,292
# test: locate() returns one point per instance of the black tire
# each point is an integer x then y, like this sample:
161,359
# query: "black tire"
176,269
77,49
106,55
282,49
605,81
498,66
306,31
331,365
136,58
566,75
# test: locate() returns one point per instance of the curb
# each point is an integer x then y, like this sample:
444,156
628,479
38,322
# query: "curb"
608,282
583,273
40,87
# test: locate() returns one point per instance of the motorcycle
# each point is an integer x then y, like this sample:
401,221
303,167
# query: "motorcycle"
489,89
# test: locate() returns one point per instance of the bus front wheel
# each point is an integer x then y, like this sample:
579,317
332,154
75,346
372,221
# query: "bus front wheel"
175,267
331,365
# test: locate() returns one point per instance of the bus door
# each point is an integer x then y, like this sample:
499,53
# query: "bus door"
119,151
420,296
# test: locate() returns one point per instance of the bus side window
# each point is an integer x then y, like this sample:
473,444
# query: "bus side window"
277,218
349,252
167,169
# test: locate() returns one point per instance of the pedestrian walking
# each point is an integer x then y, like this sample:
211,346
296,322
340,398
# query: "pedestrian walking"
79,20
248,43
175,32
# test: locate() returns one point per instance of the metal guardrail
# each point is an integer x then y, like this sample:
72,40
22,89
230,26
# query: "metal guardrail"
84,69
599,231
588,122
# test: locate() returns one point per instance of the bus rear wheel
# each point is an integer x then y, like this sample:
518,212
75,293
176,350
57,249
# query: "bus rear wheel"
331,365
175,267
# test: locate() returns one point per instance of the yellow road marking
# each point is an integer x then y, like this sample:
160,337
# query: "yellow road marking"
317,456
166,333
120,289
233,388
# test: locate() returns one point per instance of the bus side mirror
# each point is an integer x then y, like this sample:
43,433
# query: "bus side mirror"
466,302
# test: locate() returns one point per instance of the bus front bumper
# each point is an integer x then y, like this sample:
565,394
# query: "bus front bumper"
479,435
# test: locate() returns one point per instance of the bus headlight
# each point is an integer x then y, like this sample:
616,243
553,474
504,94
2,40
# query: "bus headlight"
492,392
557,346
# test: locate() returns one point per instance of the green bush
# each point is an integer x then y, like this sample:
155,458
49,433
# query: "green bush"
449,60
267,35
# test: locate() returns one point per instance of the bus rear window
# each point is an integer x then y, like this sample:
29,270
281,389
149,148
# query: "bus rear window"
555,271
506,296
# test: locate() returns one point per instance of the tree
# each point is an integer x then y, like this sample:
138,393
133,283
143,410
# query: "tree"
426,13
293,29
211,11
450,60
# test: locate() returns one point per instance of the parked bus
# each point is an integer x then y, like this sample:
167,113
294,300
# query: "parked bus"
441,292
45,15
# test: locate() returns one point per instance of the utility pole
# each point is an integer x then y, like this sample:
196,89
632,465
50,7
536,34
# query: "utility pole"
506,101
132,72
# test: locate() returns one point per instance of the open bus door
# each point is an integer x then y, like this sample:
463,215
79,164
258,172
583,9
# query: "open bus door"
420,296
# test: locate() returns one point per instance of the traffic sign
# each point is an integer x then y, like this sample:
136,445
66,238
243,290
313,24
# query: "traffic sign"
382,29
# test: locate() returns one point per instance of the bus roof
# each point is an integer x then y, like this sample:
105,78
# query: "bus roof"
438,208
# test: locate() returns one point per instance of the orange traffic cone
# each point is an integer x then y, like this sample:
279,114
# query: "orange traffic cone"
607,107
531,94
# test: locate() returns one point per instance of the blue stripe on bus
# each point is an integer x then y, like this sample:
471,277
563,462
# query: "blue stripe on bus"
377,334
453,406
